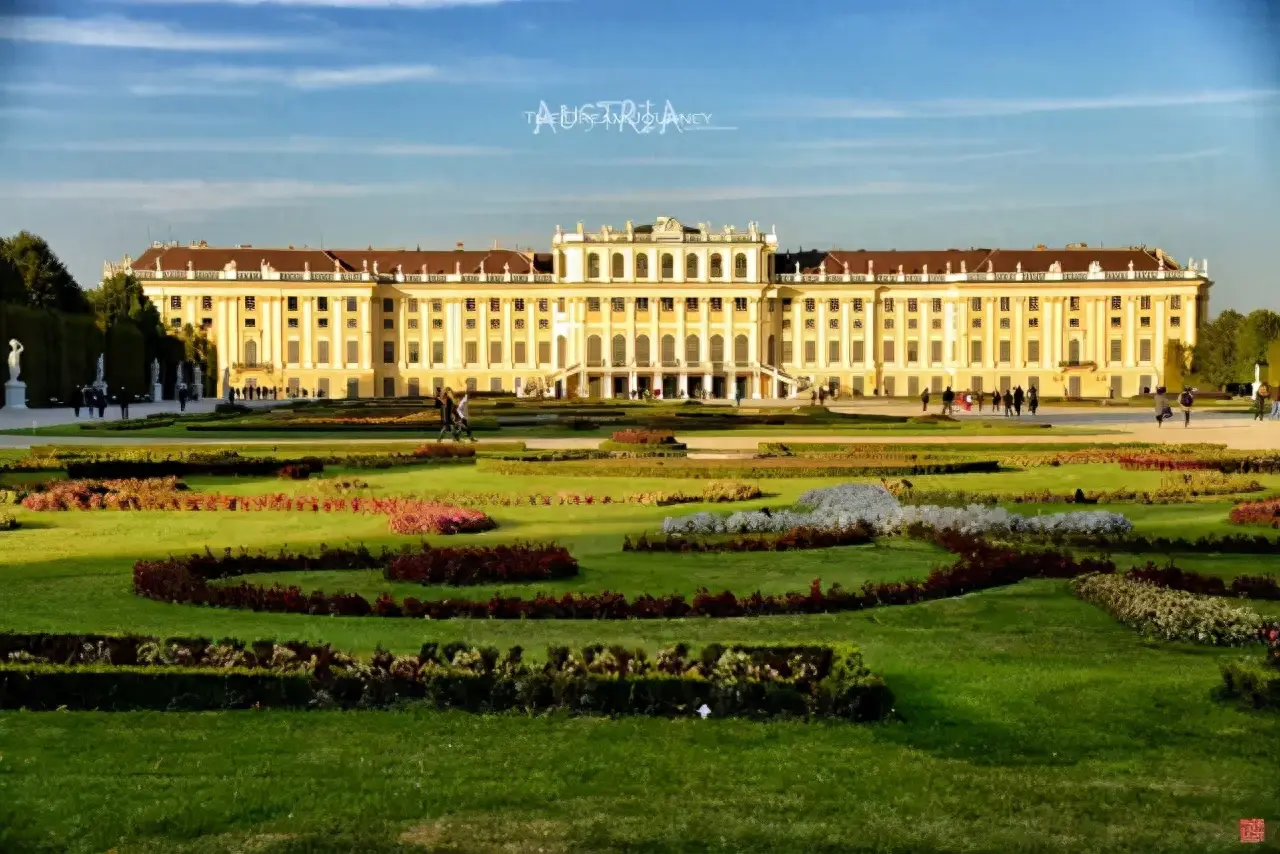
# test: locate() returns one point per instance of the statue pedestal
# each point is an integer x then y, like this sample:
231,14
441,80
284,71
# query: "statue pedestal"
157,393
15,395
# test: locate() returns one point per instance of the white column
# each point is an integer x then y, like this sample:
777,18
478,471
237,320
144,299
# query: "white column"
482,326
704,351
727,305
508,335
629,306
1130,333
366,335
989,332
531,332
949,360
926,336
424,334
871,335
1157,343
1019,348
1190,315
234,330
402,332
265,356
681,334
823,361
453,333
222,338
305,344
900,334
655,337
337,334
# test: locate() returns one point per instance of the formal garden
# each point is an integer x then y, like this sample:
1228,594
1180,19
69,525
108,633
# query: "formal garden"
813,647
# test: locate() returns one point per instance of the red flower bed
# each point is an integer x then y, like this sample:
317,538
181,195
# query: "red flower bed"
978,566
420,517
644,437
1271,637
480,565
1244,586
1154,462
440,450
1257,513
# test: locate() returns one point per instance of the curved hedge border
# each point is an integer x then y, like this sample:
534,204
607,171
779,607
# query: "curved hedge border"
750,469
794,540
97,672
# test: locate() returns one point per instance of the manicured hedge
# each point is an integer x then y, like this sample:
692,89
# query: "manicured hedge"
233,466
793,540
483,564
1252,682
110,688
749,469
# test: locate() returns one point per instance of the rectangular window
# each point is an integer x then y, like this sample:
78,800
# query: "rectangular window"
470,304
786,352
291,352
351,303
857,305
810,305
495,352
935,323
937,304
1074,323
642,303
495,304
667,303
975,352
1175,321
293,323
833,351
543,323
593,303
1144,303
388,305
913,352
913,306
544,352
810,323
1033,322
1033,303
471,352
353,352
1144,350
1004,303
977,323
519,305
833,323
413,323
1033,350
413,306
175,322
323,323
519,323
859,350
1144,322
833,304
250,323
691,304
438,305
888,304
250,303
1115,323
1004,323
888,323
1073,303
206,303
291,303
495,323
810,352
786,303
618,304
717,304
322,352
1115,350
739,303
975,304
388,323
437,352
888,351
935,352
471,323
206,322
388,352
495,384
521,353
1175,302
912,323
322,303
415,353
414,387
175,302
1006,352
437,323
1116,303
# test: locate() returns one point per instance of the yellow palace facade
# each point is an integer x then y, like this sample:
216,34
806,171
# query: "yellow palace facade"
680,310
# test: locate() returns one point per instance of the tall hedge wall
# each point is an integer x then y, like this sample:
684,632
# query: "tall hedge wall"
60,351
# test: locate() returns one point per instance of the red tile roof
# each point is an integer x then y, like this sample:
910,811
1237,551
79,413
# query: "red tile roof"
348,260
914,262
213,258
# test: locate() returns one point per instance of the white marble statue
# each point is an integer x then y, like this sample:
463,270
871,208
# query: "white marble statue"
155,372
226,383
197,381
15,359
100,378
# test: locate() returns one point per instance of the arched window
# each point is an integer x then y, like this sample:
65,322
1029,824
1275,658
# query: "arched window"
642,350
668,266
717,266
619,351
618,266
691,350
740,266
717,348
1073,350
668,350
251,352
594,356
769,352
593,266
642,265
562,352
691,266
740,349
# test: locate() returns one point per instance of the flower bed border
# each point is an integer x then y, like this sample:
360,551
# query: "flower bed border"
721,469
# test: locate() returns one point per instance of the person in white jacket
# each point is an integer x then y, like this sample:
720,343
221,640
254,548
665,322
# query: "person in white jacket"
464,417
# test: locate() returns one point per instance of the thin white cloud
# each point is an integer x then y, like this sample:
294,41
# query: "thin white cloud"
174,197
736,193
214,79
879,142
1187,156
288,146
42,88
337,4
114,32
769,160
954,108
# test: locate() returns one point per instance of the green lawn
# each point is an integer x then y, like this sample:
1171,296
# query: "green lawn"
1031,722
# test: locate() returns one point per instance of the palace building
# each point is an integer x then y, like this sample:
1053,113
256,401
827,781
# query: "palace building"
680,310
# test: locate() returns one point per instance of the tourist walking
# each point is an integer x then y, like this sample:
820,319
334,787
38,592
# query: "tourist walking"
980,396
448,409
124,406
1008,404
1261,402
463,419
1186,401
76,399
924,400
182,398
1162,407
1275,401
1018,398
948,401
100,397
1033,399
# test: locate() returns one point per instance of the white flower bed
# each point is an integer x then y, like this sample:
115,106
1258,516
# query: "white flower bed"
874,506
1170,614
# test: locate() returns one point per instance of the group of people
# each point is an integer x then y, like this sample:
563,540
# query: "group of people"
455,417
1013,400
1164,410
1266,401
818,397
253,392
94,400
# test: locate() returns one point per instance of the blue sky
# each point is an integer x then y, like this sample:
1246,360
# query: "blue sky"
863,123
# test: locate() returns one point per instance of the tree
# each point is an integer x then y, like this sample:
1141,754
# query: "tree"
1174,364
1253,339
47,281
120,297
12,288
1216,349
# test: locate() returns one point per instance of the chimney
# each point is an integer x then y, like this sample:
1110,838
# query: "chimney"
459,246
